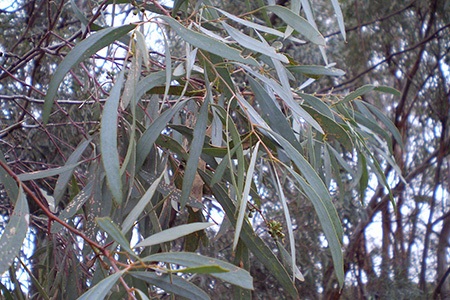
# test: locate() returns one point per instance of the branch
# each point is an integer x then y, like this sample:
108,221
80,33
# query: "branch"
419,44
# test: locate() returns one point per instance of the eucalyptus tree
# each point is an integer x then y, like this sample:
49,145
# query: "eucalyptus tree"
120,152
404,45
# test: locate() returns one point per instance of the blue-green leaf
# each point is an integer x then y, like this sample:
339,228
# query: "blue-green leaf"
253,44
298,23
196,147
80,52
172,284
245,194
207,43
9,184
47,173
64,177
253,242
108,141
173,233
340,17
75,205
151,134
114,232
206,269
140,206
101,289
234,275
15,232
316,71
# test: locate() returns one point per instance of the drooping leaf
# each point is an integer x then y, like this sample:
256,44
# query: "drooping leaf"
254,243
272,113
148,138
253,44
207,269
172,284
316,71
108,141
47,173
245,195
328,219
287,97
14,232
207,43
301,25
253,25
64,177
333,130
234,274
384,120
140,206
173,233
74,206
318,194
114,232
287,217
80,52
101,289
340,17
9,184
196,147
287,259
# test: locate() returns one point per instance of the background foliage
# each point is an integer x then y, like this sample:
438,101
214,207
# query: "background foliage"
130,128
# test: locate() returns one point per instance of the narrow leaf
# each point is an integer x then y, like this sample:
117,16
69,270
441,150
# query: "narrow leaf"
388,89
46,173
333,130
270,111
316,191
384,120
207,43
196,147
9,184
330,223
249,24
287,259
108,141
151,134
243,205
101,289
172,284
64,177
114,232
340,17
287,97
207,269
316,71
234,274
317,104
80,52
173,233
253,44
15,232
149,82
74,206
140,206
290,229
357,93
253,242
301,25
